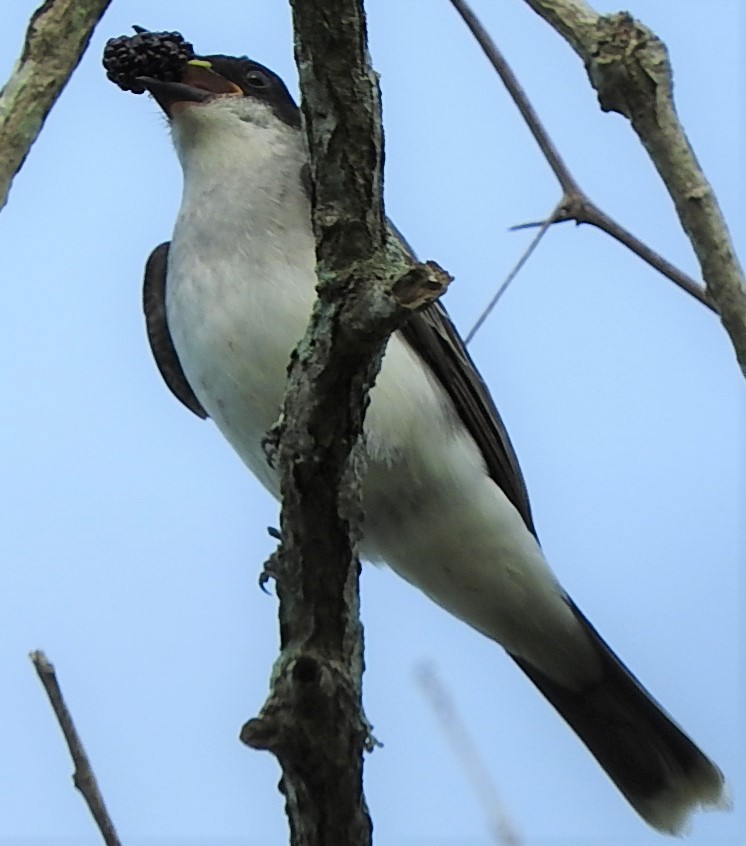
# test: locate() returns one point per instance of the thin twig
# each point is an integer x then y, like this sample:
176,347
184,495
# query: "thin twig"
584,210
580,209
57,36
519,97
500,826
575,204
83,777
544,227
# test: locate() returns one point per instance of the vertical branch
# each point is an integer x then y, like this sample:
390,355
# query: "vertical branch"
341,104
313,719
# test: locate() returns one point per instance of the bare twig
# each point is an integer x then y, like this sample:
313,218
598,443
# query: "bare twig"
57,36
582,210
575,204
628,66
501,828
519,97
83,777
313,720
543,229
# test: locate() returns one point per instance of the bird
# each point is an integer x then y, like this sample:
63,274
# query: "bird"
445,503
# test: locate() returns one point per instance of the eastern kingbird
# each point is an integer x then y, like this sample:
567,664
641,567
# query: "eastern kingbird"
445,502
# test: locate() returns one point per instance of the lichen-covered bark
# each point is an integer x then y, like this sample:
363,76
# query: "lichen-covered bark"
628,66
313,719
57,36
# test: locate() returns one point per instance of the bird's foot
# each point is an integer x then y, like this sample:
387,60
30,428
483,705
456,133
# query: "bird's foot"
269,570
370,740
271,443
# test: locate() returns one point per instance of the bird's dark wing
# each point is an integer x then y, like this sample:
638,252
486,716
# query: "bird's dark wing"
434,338
429,332
432,335
161,345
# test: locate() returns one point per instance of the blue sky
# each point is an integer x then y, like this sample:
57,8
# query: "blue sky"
133,537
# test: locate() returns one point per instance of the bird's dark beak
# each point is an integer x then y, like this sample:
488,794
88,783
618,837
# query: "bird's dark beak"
198,83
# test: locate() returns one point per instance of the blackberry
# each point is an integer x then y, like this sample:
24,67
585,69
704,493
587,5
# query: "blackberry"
162,55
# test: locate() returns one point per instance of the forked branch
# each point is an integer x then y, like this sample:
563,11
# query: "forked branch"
629,68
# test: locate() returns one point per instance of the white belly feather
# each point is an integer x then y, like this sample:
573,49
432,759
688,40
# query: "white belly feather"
236,308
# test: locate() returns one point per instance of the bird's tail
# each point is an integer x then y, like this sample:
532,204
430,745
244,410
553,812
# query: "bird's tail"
660,771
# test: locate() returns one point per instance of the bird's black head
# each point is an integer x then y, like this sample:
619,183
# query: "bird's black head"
206,78
257,81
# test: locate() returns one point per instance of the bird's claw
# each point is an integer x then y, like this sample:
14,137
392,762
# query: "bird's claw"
269,570
271,443
370,740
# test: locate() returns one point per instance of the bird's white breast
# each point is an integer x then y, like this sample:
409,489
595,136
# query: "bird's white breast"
240,290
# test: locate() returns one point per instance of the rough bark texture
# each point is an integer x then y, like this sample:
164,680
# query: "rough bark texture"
57,36
313,719
628,66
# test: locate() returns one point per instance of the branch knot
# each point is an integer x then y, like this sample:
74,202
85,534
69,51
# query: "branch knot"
627,65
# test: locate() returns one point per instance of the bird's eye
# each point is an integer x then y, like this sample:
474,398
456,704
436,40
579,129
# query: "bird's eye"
257,79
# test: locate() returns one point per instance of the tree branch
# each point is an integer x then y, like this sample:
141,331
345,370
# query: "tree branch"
83,777
313,720
628,66
501,828
575,203
543,229
580,209
519,97
57,36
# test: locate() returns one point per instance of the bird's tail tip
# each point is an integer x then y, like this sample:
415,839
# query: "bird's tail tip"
670,811
657,767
